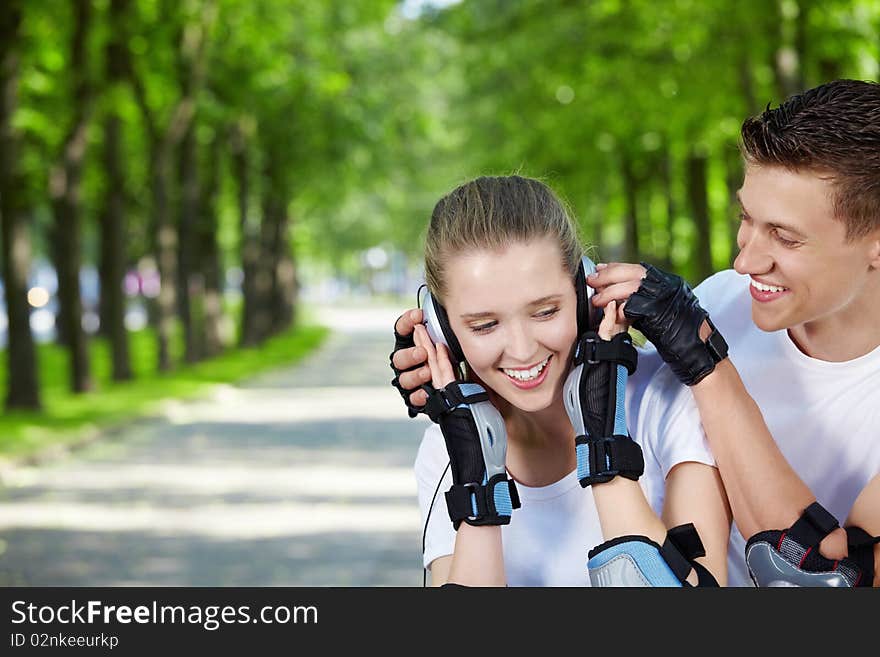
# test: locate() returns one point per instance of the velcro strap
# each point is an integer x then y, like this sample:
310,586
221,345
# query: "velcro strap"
618,349
814,525
681,547
716,345
601,459
861,552
445,400
482,504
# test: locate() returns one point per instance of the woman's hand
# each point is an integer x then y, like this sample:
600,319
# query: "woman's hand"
613,322
439,365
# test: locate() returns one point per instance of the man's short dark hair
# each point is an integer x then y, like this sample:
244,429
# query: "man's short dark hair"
834,130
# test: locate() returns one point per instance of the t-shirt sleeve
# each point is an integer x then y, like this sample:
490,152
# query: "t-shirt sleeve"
669,425
431,462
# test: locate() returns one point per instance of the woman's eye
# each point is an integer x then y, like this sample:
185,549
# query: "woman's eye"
548,312
482,328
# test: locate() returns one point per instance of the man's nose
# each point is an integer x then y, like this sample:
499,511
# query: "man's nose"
753,257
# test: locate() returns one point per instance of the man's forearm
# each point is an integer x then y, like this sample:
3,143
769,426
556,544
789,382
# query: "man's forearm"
763,489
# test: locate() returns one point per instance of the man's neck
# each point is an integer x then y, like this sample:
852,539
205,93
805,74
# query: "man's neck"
846,335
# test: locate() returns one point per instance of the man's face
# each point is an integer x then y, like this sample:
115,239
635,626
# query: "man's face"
802,268
515,309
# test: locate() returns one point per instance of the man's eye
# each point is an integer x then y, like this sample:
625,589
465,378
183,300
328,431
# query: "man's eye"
784,242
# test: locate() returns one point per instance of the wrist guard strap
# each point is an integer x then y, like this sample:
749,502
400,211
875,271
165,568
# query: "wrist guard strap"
482,504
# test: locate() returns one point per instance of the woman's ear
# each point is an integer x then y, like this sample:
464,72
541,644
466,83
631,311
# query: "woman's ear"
874,250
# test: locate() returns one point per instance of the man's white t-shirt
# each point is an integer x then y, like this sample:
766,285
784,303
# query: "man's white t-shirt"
549,536
824,416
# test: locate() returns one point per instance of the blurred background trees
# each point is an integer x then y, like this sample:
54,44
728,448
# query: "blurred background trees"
199,167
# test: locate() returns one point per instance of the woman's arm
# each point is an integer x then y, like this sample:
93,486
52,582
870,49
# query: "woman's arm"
624,510
694,493
477,559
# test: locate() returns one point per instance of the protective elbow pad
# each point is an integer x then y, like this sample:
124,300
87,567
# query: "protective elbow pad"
639,561
791,557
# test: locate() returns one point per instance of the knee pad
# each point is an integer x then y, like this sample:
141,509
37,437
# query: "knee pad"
791,557
639,561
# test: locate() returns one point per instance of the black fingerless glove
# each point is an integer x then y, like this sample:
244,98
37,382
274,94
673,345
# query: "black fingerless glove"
404,342
668,313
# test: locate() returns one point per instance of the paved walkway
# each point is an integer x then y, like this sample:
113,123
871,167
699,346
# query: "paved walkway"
300,477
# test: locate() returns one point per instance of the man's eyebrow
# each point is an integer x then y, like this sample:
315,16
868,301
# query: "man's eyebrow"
536,302
771,224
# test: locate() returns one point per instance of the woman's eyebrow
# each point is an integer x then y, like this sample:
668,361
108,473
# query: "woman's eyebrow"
536,302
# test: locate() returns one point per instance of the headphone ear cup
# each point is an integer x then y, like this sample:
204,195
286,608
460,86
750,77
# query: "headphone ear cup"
437,323
588,316
455,352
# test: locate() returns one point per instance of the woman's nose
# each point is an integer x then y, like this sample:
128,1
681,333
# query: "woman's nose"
521,345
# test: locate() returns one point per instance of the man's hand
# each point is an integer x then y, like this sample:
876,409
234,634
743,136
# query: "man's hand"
666,311
409,362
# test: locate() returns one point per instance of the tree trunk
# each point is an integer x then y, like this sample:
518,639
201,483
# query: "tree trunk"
23,390
733,177
284,282
190,287
265,270
64,189
699,201
671,209
249,246
210,262
631,228
165,248
113,216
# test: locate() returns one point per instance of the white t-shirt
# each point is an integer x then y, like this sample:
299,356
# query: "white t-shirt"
824,416
549,536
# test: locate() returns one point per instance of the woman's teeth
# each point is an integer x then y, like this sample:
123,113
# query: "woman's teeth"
526,375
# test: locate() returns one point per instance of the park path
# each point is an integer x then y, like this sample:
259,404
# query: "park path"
298,477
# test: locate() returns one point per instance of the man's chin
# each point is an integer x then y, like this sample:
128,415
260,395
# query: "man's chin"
767,322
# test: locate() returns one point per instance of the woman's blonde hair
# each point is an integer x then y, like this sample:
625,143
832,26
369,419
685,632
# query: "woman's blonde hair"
492,212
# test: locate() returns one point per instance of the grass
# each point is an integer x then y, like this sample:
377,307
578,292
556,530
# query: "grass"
68,418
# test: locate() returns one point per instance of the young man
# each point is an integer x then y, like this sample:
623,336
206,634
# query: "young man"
801,316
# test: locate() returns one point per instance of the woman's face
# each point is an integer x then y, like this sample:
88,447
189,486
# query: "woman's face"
514,312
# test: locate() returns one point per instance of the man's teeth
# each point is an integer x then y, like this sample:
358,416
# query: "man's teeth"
527,375
767,288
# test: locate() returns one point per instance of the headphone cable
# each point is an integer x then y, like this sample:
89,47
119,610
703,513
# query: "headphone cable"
427,520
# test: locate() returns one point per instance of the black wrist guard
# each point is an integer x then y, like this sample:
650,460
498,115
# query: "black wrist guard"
594,400
476,440
666,311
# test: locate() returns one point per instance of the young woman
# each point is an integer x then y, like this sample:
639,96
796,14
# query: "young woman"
502,260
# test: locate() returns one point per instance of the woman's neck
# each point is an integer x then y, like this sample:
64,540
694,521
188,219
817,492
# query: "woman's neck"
540,445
